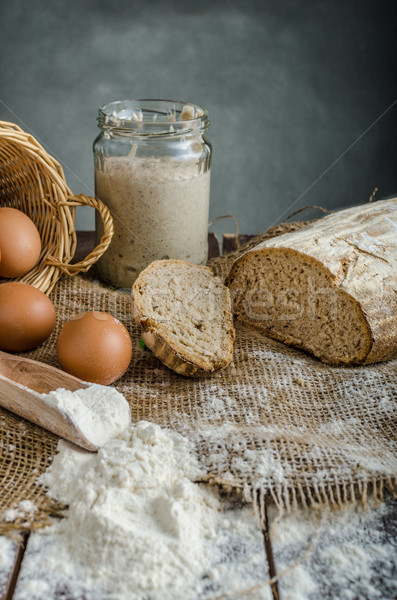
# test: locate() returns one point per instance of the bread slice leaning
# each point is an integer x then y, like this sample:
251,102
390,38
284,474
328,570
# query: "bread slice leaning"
330,288
185,316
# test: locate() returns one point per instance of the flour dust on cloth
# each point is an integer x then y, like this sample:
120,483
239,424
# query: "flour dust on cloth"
275,422
138,526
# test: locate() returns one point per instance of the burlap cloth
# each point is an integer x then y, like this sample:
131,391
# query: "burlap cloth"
276,423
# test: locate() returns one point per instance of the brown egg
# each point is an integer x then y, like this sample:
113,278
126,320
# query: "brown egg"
95,347
27,317
20,243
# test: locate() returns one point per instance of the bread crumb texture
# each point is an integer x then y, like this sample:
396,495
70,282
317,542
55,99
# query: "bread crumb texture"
330,288
185,316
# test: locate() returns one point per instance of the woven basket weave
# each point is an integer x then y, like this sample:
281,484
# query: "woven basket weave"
33,182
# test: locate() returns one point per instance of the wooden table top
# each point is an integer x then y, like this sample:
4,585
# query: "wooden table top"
314,552
86,243
325,562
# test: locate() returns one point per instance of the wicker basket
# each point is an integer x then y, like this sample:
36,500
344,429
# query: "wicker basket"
32,181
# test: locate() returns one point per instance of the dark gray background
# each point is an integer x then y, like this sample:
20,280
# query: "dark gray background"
290,86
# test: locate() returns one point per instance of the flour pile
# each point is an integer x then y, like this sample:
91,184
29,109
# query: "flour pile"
137,525
139,528
99,411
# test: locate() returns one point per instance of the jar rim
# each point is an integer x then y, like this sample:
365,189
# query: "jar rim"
146,117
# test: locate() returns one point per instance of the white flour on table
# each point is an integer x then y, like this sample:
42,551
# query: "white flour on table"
99,411
351,554
8,550
139,527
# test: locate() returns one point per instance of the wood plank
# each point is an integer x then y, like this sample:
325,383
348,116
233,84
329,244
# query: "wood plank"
11,554
269,552
85,245
239,563
8,552
213,245
230,243
349,554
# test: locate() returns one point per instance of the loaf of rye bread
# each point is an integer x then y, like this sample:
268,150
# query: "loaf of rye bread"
185,316
329,289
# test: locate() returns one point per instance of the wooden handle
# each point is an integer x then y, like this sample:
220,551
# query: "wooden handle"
31,406
37,376
22,381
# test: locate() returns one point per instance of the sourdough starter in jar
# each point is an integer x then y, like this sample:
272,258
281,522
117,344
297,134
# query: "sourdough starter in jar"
158,192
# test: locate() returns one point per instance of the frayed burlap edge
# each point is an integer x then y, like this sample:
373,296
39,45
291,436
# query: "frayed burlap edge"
16,529
321,497
329,496
286,499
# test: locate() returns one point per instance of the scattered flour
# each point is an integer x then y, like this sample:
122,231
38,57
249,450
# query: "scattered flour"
232,456
99,411
139,527
8,550
351,554
24,509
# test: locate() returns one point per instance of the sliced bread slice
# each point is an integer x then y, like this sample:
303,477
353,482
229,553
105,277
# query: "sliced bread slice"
330,288
185,316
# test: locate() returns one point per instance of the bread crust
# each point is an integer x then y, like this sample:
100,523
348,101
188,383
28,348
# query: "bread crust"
163,347
357,249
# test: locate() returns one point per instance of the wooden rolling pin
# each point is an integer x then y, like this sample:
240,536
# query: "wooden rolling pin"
23,380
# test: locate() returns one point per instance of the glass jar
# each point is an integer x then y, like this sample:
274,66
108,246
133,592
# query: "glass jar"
152,170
